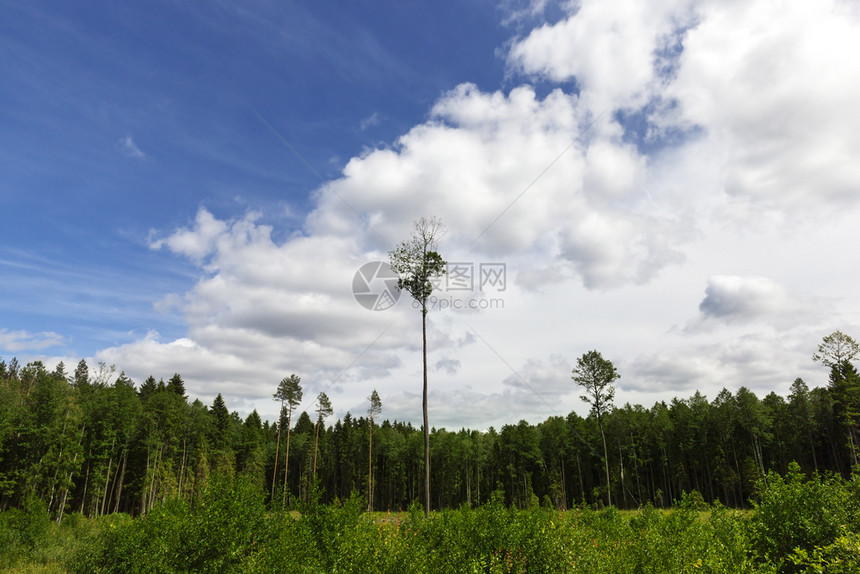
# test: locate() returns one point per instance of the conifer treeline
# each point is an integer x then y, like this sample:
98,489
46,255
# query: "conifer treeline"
96,443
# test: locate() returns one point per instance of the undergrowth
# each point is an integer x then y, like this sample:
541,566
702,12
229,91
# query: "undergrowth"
800,524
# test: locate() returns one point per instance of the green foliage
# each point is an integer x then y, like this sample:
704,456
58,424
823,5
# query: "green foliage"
841,557
214,535
417,262
31,542
229,529
596,375
799,513
22,530
692,500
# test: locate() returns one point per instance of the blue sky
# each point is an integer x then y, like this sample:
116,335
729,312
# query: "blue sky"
191,188
119,119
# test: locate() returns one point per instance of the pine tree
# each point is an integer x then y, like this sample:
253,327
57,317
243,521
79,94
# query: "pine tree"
324,410
289,392
375,409
177,385
596,375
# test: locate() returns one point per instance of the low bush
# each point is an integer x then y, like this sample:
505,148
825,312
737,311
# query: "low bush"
799,524
796,512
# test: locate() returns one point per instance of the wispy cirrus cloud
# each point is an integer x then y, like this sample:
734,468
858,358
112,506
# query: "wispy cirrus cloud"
16,341
370,121
129,148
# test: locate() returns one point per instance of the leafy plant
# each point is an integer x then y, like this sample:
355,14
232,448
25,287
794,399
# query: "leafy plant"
796,512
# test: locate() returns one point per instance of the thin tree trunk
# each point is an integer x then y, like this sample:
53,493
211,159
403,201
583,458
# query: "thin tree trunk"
853,444
623,491
370,466
606,462
66,489
287,454
563,486
579,471
277,447
59,462
812,444
182,466
426,419
316,447
152,485
739,495
144,490
480,478
121,478
86,484
107,485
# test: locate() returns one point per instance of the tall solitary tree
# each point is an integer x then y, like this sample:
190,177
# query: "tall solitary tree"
289,392
375,409
837,351
323,410
416,263
595,375
835,348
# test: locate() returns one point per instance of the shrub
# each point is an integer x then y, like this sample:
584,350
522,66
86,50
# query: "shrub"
795,512
841,557
23,530
227,525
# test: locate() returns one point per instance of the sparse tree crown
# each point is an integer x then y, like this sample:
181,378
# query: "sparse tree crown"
417,261
596,375
836,348
375,404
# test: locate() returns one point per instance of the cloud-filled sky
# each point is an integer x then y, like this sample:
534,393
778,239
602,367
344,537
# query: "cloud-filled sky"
193,189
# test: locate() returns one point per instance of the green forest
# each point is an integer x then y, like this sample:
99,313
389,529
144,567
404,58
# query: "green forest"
94,445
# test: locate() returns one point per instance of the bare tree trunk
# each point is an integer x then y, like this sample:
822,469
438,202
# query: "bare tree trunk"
107,485
86,483
563,486
853,444
812,444
59,462
370,467
579,471
277,447
469,482
119,483
287,454
426,420
621,460
606,462
316,446
146,476
66,489
182,466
